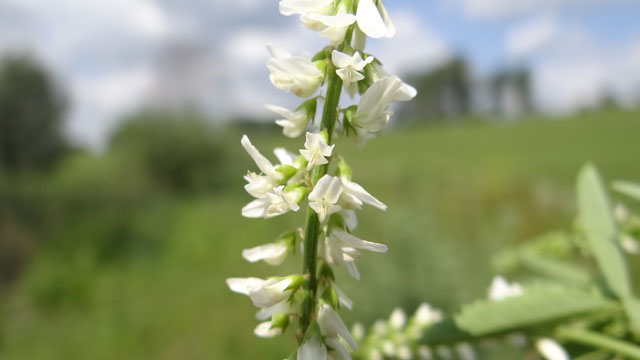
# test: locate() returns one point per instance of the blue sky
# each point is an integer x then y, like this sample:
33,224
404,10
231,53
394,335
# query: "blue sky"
113,56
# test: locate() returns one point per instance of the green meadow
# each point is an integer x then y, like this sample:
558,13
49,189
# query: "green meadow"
119,269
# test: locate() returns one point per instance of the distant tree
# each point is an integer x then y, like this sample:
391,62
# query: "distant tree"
442,92
179,151
31,115
511,92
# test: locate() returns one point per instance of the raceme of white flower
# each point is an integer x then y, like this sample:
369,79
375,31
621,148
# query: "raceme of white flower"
309,302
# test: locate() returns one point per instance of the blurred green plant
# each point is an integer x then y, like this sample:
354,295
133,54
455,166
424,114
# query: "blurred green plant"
179,151
577,289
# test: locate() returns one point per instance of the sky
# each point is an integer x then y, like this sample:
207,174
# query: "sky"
114,56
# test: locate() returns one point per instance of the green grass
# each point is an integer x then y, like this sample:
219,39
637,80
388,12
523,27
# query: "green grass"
456,195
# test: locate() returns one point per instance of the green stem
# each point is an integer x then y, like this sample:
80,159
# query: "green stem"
599,341
312,225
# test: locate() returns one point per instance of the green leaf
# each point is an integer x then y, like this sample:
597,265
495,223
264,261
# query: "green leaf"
553,268
599,341
627,188
539,304
597,220
444,332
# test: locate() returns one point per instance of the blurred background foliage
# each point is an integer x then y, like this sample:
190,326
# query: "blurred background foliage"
123,254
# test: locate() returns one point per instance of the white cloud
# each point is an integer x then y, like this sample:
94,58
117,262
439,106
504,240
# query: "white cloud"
530,36
491,9
567,80
416,47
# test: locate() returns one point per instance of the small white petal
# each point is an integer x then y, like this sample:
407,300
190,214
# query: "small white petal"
331,325
426,315
338,352
242,285
272,254
264,330
263,163
267,312
284,156
312,349
351,241
369,19
257,208
551,350
269,293
343,298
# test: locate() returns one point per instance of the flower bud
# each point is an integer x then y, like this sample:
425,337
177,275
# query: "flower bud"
296,192
287,172
280,321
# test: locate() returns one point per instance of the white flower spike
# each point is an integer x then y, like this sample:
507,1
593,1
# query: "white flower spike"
293,73
324,197
374,20
293,122
350,69
316,150
272,254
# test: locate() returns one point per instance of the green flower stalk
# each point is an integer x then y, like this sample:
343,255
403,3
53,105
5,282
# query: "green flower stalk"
308,303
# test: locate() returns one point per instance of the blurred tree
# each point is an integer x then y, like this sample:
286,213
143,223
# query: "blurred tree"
31,114
442,92
511,92
179,151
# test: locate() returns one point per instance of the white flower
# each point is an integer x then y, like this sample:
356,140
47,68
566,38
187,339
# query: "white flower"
331,325
343,298
276,202
264,330
349,68
341,248
406,93
398,319
316,150
272,254
354,195
281,202
374,20
263,293
293,123
305,7
338,352
551,350
312,349
293,73
285,157
259,185
324,197
279,308
427,315
373,110
333,27
500,289
350,218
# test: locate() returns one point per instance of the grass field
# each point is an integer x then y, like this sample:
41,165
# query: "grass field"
456,195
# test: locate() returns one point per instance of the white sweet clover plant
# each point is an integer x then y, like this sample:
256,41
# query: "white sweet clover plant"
309,302
576,298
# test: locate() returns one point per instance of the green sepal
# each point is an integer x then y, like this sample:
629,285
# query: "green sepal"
344,170
336,220
326,272
322,55
299,189
287,172
289,239
280,321
300,162
321,65
296,281
309,107
330,296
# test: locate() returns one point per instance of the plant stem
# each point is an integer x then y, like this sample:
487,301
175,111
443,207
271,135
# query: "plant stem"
312,225
599,341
